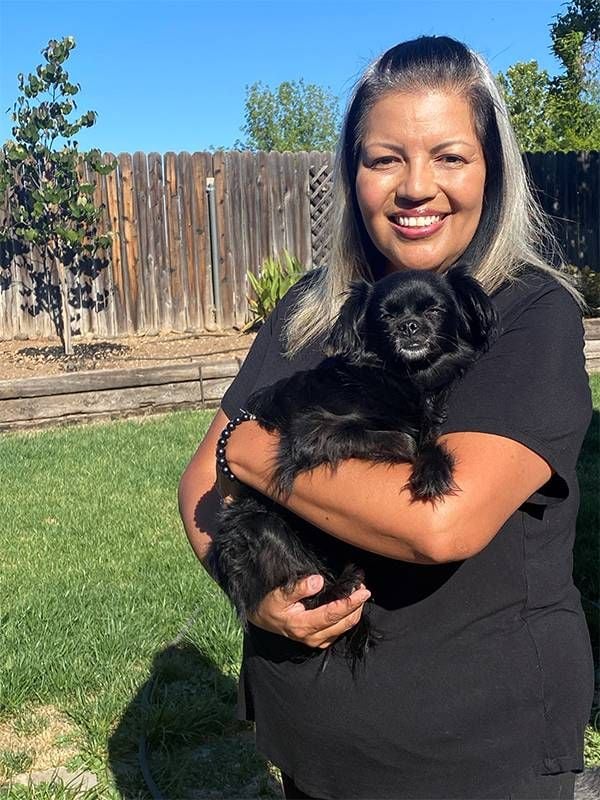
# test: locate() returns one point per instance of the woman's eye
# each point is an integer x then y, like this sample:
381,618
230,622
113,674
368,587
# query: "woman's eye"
383,161
453,160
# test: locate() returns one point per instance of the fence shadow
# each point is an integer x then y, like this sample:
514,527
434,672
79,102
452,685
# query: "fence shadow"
178,736
36,283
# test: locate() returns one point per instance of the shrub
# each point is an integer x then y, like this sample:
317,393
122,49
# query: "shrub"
587,281
274,278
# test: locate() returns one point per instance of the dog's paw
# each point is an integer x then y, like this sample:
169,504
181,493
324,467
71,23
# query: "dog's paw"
432,475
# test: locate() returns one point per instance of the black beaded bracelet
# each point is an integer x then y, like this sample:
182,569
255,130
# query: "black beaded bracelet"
244,416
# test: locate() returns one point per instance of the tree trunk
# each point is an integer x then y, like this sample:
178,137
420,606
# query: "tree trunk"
66,317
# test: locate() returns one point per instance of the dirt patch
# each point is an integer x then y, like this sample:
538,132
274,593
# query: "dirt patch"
35,739
42,357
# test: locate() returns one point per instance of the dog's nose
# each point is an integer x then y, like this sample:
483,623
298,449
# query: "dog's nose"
409,327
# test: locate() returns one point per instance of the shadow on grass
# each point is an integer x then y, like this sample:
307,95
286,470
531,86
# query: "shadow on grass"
194,747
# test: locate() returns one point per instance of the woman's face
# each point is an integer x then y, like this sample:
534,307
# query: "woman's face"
420,179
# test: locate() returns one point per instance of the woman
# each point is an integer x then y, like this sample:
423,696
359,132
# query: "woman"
483,683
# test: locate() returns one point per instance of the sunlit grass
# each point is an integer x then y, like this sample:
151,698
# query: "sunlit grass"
97,579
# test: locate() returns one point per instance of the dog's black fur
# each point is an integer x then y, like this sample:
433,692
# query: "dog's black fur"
394,351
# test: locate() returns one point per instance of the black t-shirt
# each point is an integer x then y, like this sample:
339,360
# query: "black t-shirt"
485,673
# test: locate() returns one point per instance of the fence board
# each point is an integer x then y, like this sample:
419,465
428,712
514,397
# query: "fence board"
250,233
174,239
140,209
186,195
185,238
115,267
226,276
102,322
161,296
242,259
132,245
262,209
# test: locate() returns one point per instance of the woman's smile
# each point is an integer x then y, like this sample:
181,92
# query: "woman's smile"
420,180
417,227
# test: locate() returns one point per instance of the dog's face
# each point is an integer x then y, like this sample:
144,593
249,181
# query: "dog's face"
411,318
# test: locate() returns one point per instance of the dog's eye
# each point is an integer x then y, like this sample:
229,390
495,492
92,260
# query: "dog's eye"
434,311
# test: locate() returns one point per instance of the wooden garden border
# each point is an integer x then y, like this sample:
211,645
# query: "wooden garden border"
592,344
108,394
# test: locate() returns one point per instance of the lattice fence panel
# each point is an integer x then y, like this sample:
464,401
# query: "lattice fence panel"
321,200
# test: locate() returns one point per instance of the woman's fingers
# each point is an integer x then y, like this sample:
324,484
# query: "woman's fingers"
284,613
303,588
325,638
319,627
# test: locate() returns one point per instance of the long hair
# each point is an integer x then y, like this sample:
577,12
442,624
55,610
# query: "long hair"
513,230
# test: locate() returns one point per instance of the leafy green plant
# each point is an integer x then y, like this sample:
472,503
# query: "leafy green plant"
274,278
50,220
587,281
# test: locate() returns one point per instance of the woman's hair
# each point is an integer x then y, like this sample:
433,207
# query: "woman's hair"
513,230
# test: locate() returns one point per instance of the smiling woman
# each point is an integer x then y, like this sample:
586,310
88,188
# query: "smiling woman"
482,683
420,179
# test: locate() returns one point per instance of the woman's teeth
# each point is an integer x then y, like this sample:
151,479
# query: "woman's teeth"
417,222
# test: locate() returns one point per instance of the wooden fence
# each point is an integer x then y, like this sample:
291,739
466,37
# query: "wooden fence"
568,189
160,274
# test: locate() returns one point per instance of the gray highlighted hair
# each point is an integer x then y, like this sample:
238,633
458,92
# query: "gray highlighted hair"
513,230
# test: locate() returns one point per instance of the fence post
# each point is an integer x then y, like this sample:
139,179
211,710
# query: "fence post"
214,248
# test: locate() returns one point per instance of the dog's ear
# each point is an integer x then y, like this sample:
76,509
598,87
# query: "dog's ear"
346,337
479,315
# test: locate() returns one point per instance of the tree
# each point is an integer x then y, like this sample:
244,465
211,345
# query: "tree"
50,218
526,91
581,17
563,112
295,116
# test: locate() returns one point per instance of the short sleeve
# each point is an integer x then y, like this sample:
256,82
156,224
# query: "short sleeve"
532,386
243,383
265,360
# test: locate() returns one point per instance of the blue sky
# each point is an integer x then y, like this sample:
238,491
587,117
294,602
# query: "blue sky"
171,74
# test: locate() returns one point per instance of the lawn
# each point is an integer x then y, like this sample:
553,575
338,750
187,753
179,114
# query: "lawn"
114,642
97,581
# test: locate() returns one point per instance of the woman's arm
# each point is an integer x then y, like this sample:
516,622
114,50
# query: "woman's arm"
366,505
199,499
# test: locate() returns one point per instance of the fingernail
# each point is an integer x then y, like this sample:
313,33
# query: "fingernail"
314,582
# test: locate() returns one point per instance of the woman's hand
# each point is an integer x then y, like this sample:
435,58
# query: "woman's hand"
283,613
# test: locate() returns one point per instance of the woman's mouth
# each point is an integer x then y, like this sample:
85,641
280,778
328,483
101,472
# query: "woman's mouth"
417,227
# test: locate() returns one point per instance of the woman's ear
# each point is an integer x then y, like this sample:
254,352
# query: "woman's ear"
479,315
347,335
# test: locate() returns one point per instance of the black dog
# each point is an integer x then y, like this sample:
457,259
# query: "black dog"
394,351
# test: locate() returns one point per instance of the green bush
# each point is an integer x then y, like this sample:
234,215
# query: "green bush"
587,281
274,278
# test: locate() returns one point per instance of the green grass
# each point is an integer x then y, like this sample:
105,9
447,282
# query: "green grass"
96,582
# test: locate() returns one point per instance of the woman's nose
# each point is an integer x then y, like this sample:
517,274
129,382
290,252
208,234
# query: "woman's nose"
417,183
